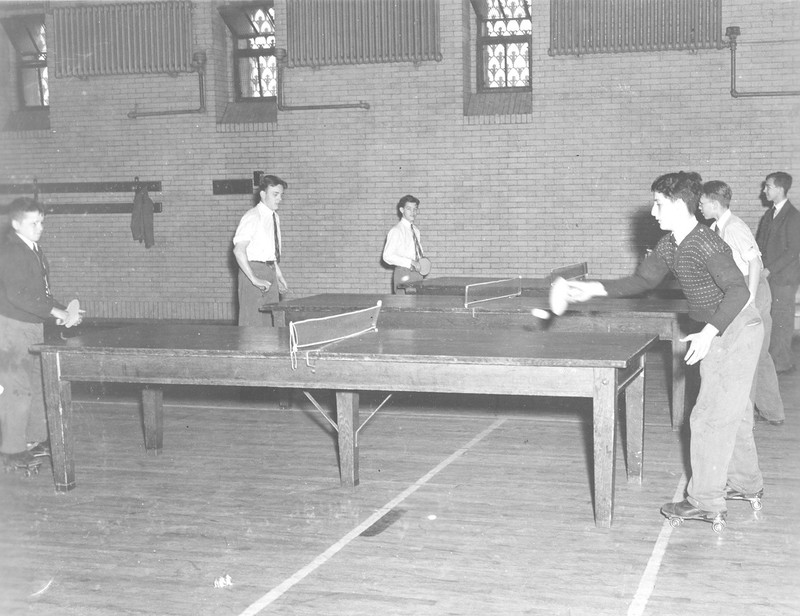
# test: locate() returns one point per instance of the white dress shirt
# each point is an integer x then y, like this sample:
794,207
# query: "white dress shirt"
256,227
400,250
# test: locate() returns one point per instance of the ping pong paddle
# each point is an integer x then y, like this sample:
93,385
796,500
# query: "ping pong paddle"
74,313
559,294
424,266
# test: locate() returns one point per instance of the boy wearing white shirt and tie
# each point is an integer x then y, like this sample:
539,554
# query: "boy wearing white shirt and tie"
715,205
403,248
257,248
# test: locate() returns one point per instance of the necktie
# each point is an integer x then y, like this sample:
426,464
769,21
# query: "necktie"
276,238
417,247
718,230
40,255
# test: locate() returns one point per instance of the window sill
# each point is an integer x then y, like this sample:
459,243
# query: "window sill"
250,112
498,103
28,120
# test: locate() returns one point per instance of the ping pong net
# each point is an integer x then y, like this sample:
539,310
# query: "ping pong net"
311,334
494,289
575,271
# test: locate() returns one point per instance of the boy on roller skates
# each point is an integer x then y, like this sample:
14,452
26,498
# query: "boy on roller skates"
724,462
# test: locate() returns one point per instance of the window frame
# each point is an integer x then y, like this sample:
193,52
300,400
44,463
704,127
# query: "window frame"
18,30
237,19
483,40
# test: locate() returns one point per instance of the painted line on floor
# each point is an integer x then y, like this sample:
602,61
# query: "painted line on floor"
320,560
650,575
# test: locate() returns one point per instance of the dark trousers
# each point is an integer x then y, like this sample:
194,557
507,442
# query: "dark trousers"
251,298
402,276
783,307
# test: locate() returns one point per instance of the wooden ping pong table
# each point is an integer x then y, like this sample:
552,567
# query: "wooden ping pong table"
667,319
598,366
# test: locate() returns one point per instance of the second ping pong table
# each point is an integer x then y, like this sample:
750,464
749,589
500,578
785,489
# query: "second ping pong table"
667,319
597,366
529,287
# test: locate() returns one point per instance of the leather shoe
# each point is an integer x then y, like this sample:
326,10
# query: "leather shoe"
685,509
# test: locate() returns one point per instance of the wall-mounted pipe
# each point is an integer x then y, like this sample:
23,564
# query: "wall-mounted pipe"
199,65
733,32
280,56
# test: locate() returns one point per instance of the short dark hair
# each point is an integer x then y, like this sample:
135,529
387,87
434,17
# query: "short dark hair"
718,191
406,199
782,179
22,205
686,185
271,180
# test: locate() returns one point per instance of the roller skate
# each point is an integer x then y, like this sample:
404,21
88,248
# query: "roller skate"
40,449
676,513
754,498
23,461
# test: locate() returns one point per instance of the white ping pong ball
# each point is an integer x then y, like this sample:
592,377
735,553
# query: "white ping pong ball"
540,314
432,516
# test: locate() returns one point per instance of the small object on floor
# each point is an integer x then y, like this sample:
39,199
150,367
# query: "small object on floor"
22,461
676,513
223,581
789,370
42,590
753,498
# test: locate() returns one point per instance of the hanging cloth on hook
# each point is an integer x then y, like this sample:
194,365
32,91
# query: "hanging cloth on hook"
142,217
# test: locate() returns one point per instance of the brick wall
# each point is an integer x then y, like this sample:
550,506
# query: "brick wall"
500,195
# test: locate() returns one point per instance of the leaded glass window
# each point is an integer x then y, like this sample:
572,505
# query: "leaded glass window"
29,38
504,39
254,63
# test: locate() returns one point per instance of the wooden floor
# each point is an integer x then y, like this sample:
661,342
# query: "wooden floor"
467,505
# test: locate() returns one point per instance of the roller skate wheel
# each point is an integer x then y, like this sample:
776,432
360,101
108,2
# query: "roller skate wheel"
675,522
756,505
718,527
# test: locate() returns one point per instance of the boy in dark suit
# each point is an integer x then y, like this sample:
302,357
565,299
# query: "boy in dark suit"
778,239
26,302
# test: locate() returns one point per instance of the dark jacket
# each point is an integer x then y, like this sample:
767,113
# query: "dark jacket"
142,218
22,291
779,242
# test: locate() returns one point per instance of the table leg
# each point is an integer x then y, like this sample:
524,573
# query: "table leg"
634,425
153,411
347,421
678,380
605,411
58,402
279,319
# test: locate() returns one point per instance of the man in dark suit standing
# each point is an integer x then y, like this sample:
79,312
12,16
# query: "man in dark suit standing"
778,239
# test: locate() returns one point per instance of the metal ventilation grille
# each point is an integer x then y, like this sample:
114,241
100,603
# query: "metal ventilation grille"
113,39
616,26
324,32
